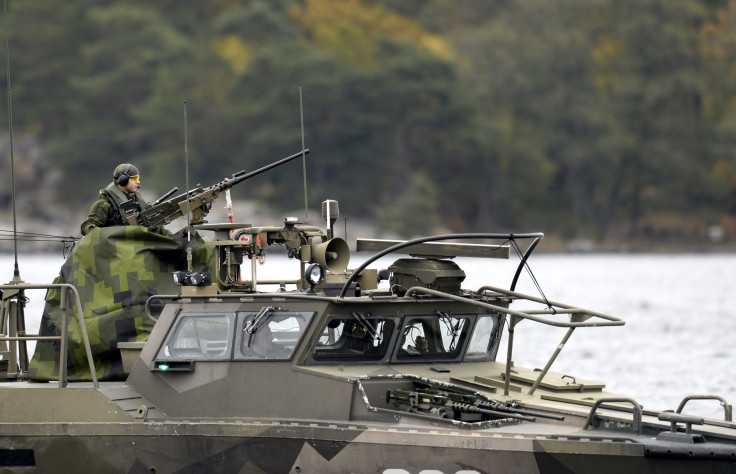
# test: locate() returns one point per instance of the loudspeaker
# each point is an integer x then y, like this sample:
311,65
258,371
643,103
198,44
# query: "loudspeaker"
124,178
333,255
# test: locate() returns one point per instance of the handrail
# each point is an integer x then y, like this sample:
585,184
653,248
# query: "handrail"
727,408
581,314
637,411
611,320
65,322
535,235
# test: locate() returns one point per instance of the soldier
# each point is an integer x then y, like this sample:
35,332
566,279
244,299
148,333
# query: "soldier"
107,210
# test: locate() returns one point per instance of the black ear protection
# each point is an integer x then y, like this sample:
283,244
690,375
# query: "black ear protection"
124,178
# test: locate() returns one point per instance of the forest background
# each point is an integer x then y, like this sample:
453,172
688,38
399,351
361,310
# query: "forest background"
611,122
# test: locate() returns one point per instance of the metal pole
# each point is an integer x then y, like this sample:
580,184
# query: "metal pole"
304,158
509,350
16,271
13,331
80,316
551,360
64,338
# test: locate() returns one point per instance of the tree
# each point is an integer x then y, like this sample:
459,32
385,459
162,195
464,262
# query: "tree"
718,41
129,49
657,105
414,212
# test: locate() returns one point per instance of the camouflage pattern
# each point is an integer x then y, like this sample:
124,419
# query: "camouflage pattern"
105,211
115,270
102,214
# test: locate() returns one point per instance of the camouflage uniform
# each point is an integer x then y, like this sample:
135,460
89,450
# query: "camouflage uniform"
106,210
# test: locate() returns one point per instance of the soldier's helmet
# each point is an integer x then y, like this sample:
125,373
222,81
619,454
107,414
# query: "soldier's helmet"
123,173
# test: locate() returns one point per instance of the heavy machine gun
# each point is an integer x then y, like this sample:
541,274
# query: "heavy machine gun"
198,201
463,407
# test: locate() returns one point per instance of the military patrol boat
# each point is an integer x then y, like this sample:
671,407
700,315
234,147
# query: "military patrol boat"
338,369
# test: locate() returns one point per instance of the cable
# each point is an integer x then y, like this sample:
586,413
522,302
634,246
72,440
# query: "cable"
520,254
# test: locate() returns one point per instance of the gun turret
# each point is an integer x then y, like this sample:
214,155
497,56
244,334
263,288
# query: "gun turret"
198,201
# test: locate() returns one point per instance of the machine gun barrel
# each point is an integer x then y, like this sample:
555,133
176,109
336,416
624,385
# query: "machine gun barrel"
467,408
242,175
500,407
437,402
198,201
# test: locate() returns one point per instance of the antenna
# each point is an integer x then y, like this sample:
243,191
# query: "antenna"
304,157
186,171
16,271
14,300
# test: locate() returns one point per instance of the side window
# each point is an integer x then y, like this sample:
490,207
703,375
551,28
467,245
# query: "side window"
199,337
480,343
354,338
270,334
433,337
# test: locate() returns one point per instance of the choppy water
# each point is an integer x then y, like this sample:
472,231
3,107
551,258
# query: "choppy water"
680,313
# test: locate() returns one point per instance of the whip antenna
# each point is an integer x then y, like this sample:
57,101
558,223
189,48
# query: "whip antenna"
14,300
186,172
16,271
304,157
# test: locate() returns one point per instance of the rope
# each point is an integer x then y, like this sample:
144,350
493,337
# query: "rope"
68,241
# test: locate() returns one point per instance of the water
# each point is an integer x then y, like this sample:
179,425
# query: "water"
680,313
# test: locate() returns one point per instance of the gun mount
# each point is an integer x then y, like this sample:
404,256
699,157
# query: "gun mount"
308,244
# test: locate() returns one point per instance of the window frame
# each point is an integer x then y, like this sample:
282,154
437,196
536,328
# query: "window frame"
494,338
244,316
403,357
180,321
338,357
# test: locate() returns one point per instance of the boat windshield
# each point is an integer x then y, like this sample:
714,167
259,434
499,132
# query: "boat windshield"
271,334
486,337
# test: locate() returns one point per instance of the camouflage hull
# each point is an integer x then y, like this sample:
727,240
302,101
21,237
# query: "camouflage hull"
291,447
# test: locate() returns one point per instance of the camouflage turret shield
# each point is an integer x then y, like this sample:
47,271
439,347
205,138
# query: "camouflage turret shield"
115,270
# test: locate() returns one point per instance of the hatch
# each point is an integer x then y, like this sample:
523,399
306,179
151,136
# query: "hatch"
553,381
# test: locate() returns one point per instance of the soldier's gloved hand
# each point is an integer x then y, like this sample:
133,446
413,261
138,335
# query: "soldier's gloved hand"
159,230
